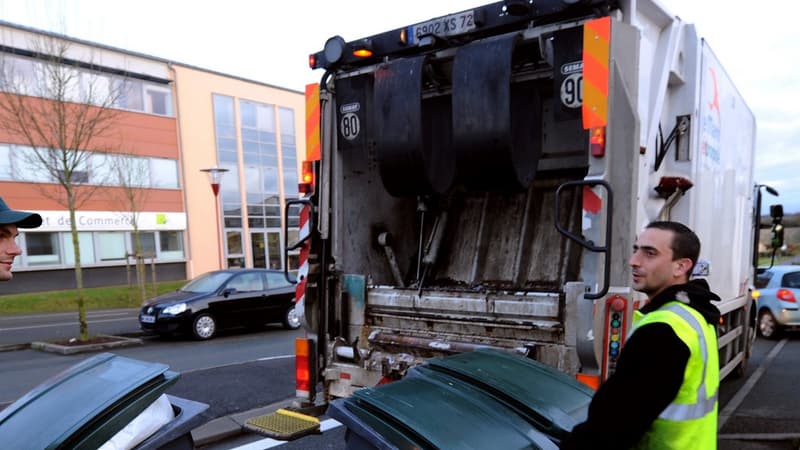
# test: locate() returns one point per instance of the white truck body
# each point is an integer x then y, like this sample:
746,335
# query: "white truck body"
435,224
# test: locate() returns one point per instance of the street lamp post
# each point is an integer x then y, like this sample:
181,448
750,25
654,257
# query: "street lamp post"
215,177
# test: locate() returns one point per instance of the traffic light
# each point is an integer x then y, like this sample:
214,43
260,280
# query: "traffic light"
777,235
776,211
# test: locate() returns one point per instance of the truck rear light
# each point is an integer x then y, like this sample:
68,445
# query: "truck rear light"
362,48
591,380
306,184
597,141
302,367
786,295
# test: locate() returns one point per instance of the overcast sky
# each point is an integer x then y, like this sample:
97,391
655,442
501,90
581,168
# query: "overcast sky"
269,41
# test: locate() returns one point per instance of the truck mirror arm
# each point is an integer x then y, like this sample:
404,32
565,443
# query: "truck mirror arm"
587,244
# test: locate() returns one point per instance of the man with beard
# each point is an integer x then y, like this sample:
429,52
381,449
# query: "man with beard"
663,394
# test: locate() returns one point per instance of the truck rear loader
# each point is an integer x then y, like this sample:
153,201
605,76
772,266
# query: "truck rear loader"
477,181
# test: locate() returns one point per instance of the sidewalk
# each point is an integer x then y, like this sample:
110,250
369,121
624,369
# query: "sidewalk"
232,425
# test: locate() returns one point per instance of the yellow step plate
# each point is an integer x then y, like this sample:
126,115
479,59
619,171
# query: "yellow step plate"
284,425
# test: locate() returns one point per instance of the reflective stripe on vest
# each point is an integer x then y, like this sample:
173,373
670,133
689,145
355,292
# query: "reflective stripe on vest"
703,405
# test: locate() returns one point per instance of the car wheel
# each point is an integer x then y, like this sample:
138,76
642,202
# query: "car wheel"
290,320
204,326
767,325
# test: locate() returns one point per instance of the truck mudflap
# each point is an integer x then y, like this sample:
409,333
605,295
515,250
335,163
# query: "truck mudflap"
481,399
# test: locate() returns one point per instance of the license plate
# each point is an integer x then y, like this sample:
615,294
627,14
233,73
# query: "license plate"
451,25
147,319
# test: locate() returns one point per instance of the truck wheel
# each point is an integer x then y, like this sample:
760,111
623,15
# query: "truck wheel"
767,325
750,337
290,319
204,326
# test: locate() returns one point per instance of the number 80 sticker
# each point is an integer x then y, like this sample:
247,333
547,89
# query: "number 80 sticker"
350,126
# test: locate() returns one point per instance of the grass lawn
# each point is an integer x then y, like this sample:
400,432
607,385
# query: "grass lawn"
95,298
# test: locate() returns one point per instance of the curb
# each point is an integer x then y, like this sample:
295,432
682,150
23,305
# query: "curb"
120,341
142,335
14,347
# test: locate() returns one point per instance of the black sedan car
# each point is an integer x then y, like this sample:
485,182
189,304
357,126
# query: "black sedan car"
222,299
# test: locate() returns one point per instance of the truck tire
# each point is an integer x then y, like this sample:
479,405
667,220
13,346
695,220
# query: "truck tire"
741,369
204,326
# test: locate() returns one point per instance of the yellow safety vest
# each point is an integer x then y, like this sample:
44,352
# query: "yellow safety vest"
690,421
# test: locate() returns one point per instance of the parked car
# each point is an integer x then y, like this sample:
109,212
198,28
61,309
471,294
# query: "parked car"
222,299
778,289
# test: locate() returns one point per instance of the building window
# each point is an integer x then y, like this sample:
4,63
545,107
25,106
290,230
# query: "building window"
111,246
27,167
85,244
288,152
42,249
31,77
171,244
234,241
158,100
98,169
147,239
129,94
227,157
163,173
5,163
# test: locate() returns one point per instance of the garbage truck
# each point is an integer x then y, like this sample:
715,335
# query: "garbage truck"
476,181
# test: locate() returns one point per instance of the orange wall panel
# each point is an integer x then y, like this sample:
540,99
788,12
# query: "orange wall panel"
132,132
43,197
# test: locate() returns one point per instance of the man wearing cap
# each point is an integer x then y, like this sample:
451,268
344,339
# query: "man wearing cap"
10,220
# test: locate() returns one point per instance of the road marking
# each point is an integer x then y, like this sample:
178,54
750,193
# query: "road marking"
267,358
134,312
761,436
266,443
63,324
737,399
270,358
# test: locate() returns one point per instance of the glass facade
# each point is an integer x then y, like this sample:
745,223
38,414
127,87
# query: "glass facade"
266,136
98,248
19,163
30,76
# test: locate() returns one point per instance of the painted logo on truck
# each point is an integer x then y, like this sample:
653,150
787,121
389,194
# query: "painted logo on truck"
711,120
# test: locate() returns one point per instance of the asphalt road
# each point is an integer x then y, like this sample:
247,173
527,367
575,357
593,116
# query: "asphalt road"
759,409
239,371
198,362
25,328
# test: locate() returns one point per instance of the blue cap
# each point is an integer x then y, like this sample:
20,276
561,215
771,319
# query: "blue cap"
22,219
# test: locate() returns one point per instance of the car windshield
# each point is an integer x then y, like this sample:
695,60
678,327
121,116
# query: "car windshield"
208,282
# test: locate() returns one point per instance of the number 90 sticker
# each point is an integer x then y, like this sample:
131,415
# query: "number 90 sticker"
350,126
572,90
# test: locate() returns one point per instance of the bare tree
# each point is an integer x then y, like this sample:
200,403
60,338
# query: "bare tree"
61,112
132,175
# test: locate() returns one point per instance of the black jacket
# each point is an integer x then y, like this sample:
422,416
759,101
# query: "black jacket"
648,376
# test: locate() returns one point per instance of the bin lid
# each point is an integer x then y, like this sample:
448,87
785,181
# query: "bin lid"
433,410
475,400
85,405
551,399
